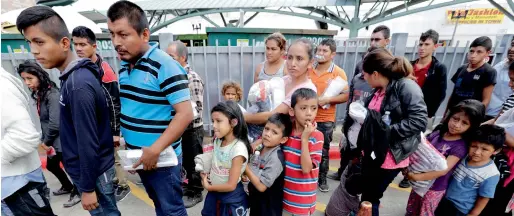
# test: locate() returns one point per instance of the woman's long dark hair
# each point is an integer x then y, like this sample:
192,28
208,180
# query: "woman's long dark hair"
45,84
385,63
232,111
475,111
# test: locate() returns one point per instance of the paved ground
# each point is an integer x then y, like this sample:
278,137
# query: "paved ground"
138,203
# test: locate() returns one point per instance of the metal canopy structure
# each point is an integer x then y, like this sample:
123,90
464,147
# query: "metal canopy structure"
324,11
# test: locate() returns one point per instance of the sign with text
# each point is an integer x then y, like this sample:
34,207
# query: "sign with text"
475,16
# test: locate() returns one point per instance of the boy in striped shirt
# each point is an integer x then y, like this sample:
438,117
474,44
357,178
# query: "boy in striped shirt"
302,154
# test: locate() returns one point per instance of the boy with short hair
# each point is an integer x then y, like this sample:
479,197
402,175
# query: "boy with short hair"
476,79
86,137
431,77
475,178
267,177
302,153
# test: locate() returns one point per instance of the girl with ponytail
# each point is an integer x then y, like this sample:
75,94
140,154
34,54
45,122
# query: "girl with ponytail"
396,93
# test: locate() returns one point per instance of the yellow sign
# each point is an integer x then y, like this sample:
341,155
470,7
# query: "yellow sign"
475,16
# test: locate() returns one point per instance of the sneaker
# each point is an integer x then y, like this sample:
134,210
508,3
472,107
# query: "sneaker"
72,201
139,182
334,176
121,192
404,183
191,200
323,186
61,191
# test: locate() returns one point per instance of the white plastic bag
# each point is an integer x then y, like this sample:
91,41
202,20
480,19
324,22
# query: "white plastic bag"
128,158
425,159
358,113
266,95
335,87
506,121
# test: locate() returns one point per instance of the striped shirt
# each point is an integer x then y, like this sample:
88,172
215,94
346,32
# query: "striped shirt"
508,104
148,92
299,188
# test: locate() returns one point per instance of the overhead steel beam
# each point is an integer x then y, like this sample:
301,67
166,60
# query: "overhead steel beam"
223,18
251,18
500,8
511,5
395,9
210,21
225,10
328,14
376,20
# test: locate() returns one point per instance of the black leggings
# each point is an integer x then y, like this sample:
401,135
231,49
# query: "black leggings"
53,165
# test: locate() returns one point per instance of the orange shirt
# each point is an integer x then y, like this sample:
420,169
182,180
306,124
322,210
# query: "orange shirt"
321,82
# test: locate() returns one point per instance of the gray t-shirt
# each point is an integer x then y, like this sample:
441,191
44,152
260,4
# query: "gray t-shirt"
270,166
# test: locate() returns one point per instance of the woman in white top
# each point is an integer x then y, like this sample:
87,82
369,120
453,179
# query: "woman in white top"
274,66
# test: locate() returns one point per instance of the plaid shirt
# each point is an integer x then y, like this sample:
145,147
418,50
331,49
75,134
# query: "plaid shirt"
196,88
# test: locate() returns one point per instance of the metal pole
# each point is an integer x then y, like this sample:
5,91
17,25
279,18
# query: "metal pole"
455,28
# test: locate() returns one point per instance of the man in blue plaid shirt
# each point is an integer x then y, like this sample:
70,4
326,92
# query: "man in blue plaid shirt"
193,136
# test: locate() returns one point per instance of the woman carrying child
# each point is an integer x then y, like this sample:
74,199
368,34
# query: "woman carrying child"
395,92
450,139
300,57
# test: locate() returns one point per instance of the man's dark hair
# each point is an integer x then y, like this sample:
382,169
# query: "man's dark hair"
491,135
511,67
384,29
430,34
330,43
483,41
84,32
48,20
134,14
302,94
283,121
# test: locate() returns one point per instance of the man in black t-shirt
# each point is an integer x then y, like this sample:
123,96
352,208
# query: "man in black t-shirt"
475,80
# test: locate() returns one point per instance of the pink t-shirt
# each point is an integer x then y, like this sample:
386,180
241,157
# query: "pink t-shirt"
389,162
307,84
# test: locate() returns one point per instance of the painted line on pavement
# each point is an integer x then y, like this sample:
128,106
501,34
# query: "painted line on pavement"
140,193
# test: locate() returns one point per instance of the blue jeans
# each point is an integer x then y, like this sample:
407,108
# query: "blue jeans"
163,186
31,199
233,203
327,128
105,193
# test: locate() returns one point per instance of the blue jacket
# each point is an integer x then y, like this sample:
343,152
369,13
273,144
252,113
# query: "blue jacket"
86,138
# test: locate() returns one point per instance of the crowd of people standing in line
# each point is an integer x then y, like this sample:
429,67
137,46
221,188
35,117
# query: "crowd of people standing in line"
150,106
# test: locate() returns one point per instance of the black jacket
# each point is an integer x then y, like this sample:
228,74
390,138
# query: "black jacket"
434,88
372,135
86,137
110,82
49,111
408,112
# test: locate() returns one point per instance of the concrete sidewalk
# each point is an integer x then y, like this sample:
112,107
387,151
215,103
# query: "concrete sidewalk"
137,202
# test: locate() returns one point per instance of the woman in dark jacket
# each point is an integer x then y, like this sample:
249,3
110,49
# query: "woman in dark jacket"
397,93
46,94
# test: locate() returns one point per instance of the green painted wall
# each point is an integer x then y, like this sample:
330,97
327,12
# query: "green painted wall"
245,36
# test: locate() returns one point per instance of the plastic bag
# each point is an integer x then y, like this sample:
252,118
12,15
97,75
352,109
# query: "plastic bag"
128,158
358,113
203,162
266,95
425,159
335,87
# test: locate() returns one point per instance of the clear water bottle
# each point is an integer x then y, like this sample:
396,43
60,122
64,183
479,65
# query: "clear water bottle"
256,159
386,118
